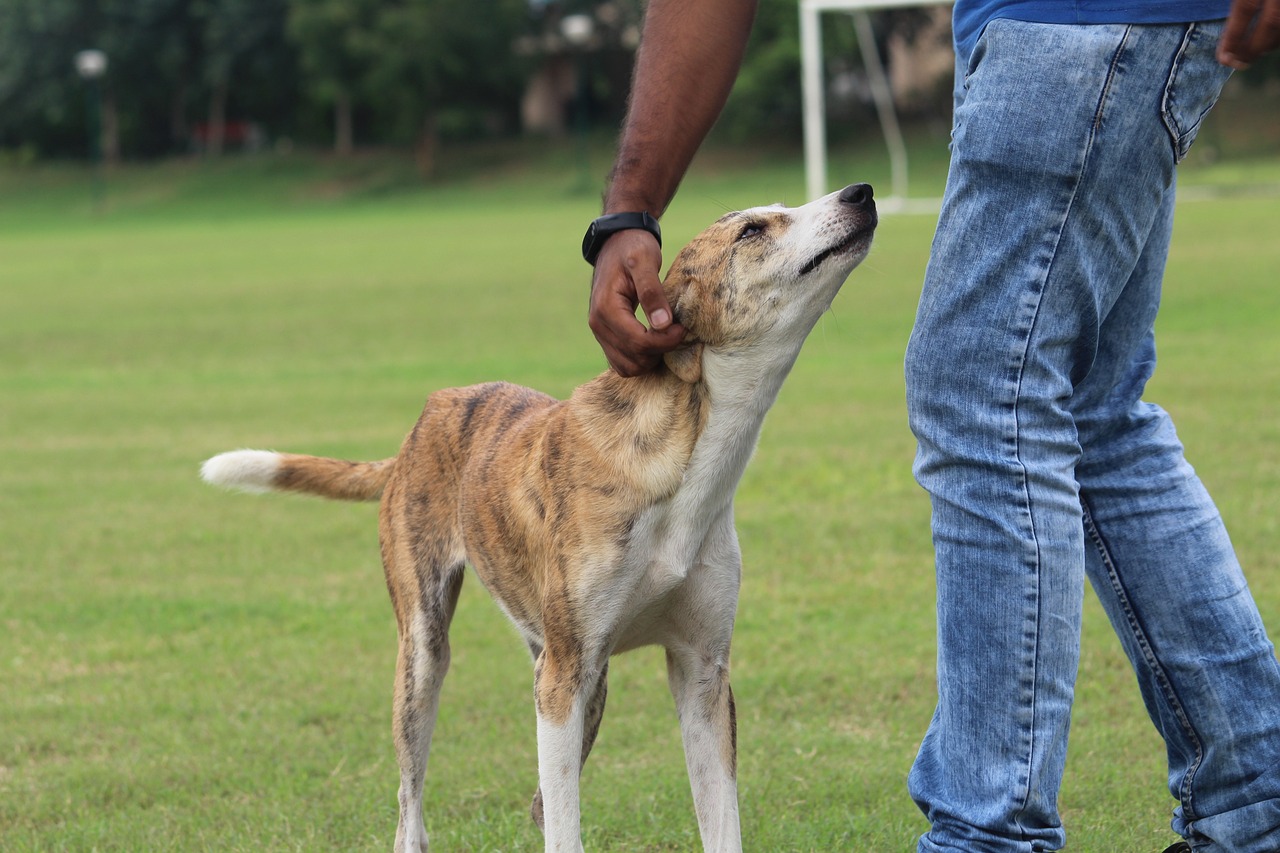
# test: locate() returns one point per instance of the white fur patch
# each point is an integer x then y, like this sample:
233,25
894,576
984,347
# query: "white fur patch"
246,470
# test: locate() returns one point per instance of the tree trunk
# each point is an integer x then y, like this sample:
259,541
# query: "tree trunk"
424,152
343,130
216,133
110,130
179,133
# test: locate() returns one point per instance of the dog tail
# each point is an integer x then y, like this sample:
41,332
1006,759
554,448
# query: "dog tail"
265,471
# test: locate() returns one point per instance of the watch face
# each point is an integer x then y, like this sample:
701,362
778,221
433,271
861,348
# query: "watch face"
589,247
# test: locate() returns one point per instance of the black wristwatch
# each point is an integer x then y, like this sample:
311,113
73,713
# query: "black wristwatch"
604,227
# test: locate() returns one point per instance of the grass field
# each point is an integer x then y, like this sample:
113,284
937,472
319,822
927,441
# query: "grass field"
181,667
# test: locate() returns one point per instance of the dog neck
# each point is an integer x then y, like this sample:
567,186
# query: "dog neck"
680,448
643,428
737,389
741,387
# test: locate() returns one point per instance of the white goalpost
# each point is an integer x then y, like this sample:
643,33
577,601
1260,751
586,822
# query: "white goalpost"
814,100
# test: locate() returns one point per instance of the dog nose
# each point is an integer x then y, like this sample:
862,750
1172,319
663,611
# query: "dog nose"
856,194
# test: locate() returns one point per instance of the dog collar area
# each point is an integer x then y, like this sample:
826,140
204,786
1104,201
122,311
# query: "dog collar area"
604,227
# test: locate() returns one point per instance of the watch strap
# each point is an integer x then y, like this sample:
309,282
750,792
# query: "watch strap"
604,227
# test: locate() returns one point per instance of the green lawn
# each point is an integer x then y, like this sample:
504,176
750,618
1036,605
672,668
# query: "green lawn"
181,667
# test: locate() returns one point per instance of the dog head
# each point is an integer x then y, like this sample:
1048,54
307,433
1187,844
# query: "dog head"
766,274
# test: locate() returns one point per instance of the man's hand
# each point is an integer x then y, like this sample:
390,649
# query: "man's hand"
689,55
626,276
1253,28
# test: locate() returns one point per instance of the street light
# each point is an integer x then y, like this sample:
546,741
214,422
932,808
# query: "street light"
577,29
91,65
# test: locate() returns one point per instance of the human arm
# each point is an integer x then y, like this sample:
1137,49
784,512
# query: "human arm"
690,52
1253,28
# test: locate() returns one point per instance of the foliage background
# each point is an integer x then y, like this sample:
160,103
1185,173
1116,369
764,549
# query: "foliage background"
349,73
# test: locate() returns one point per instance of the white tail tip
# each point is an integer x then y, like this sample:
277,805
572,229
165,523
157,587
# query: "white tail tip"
246,470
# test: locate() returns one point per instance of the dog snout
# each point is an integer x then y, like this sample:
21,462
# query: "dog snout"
858,194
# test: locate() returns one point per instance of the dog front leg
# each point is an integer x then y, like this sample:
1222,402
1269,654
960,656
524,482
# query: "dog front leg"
590,728
708,726
561,691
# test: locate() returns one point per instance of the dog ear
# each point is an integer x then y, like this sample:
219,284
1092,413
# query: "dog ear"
678,287
685,361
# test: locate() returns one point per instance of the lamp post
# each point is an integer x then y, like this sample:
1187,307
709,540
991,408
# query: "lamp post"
578,31
91,65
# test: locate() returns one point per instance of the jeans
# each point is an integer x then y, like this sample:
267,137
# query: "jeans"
1025,372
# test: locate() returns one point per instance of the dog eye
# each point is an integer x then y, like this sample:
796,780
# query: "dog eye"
751,229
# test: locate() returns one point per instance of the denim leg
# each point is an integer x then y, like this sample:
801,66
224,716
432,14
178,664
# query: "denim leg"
1163,567
1059,194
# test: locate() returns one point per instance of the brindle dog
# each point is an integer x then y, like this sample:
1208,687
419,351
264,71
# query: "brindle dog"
601,523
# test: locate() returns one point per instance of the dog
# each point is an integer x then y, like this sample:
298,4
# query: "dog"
601,523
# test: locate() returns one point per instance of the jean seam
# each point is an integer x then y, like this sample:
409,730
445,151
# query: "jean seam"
1176,133
1112,69
1149,657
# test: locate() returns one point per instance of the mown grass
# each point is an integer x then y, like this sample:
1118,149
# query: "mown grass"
181,667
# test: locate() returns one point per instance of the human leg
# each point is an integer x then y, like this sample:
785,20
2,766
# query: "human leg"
1167,576
1059,175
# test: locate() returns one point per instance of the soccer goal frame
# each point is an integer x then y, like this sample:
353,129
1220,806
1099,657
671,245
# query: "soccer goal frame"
814,97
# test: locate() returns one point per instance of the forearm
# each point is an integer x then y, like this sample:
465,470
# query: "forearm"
689,55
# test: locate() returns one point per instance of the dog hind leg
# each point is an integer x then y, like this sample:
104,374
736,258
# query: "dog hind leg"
421,664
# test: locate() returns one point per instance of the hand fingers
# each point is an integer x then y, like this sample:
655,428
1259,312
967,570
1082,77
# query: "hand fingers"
1266,30
627,275
1231,44
630,348
623,338
1252,29
652,299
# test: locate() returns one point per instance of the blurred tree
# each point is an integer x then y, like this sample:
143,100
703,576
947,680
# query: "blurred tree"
40,96
244,41
415,63
766,100
434,57
336,42
161,55
767,92
154,48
